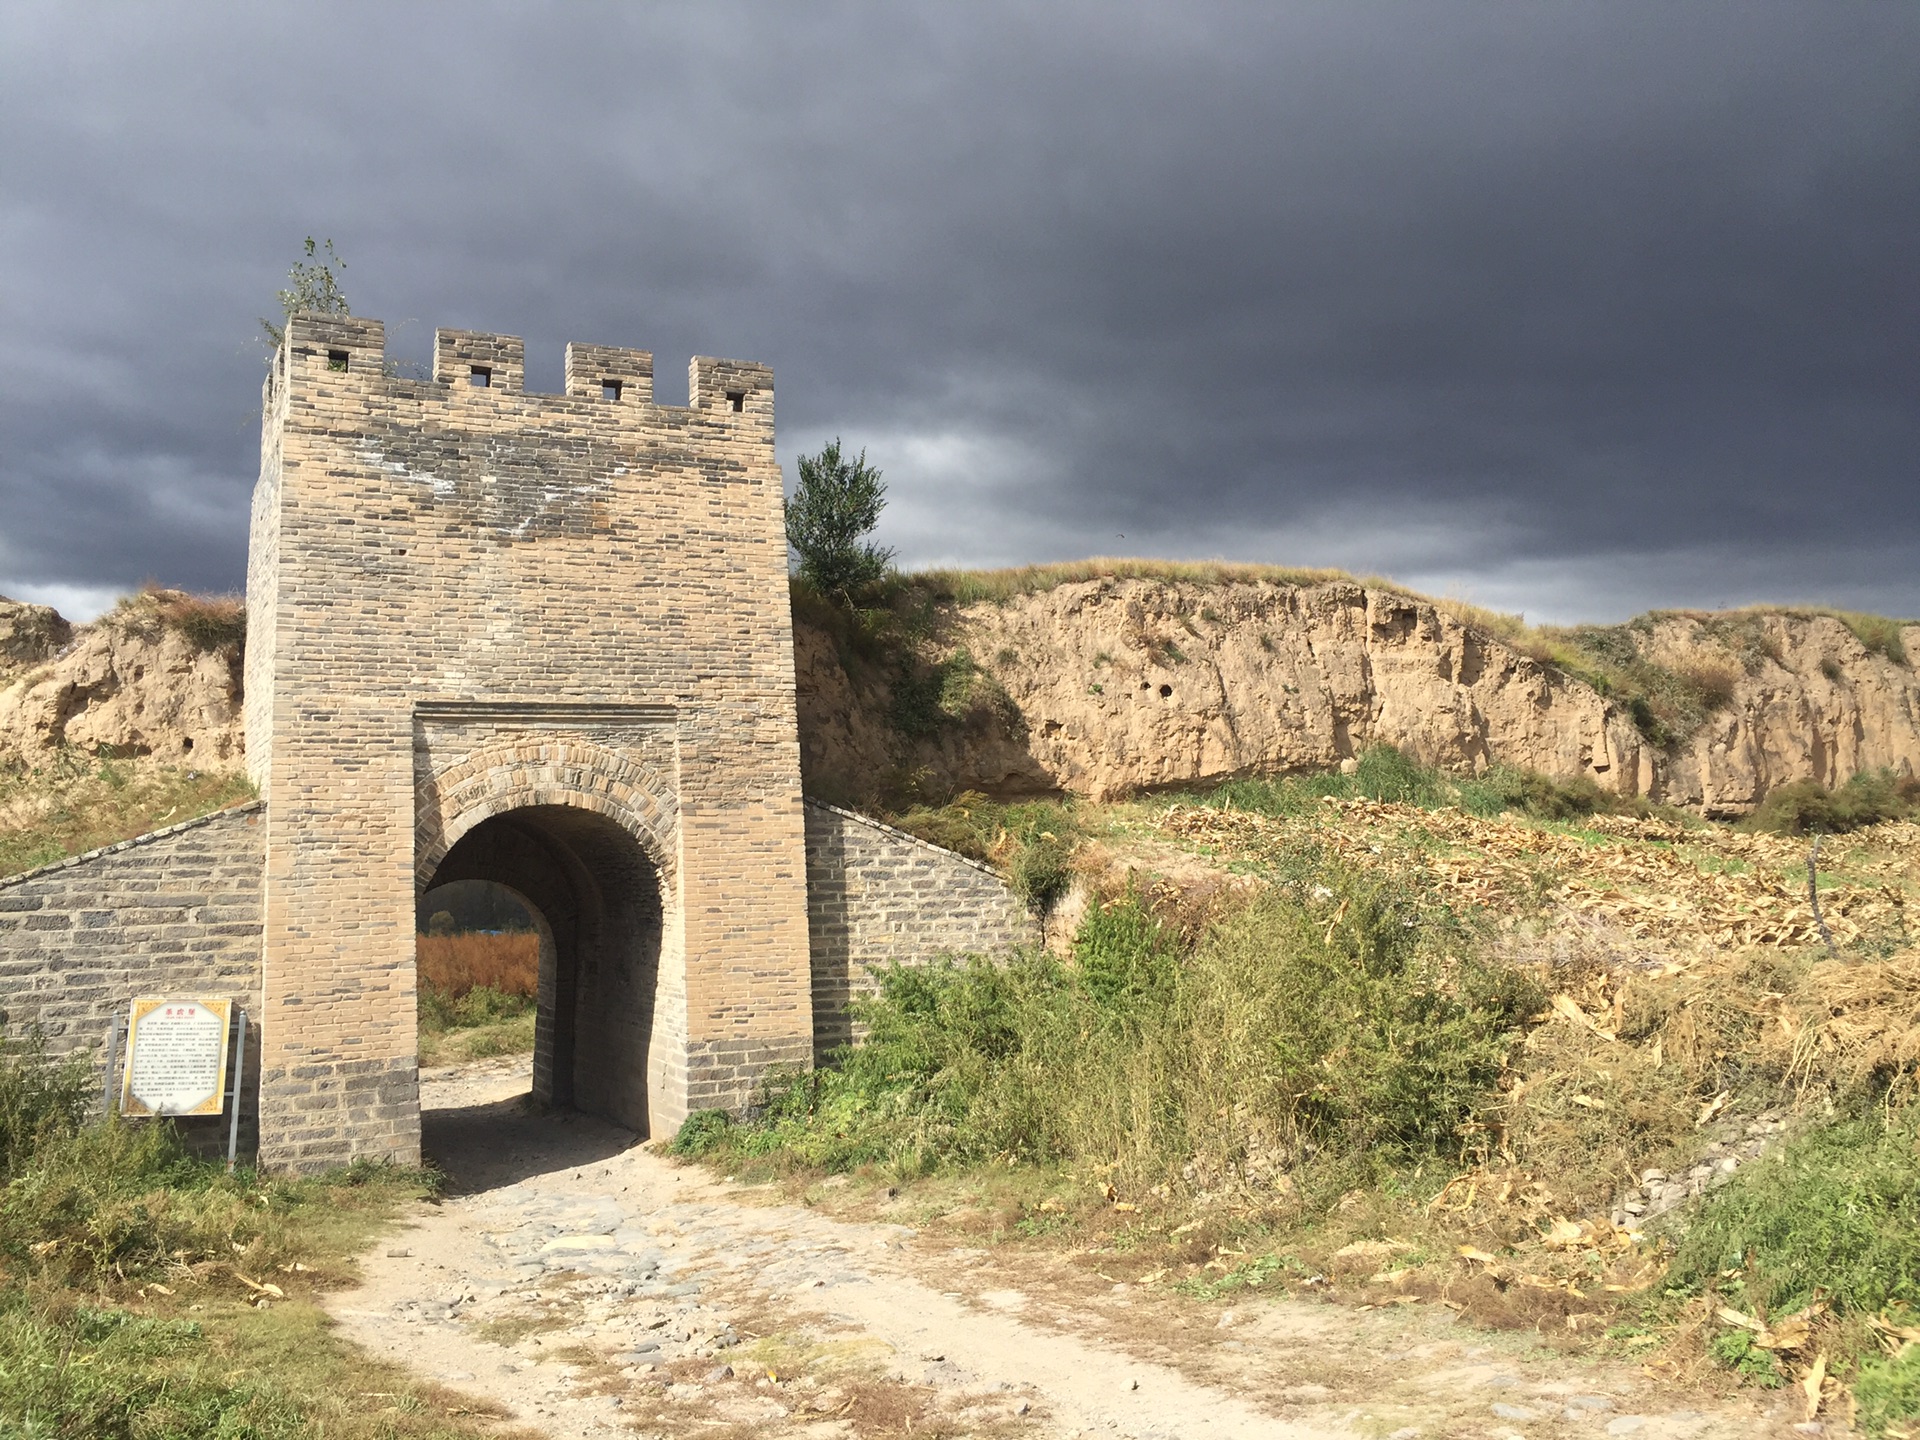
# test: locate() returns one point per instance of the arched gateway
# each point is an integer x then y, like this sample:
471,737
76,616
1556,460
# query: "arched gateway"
540,640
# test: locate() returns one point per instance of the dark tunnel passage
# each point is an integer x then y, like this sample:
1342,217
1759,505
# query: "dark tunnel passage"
596,899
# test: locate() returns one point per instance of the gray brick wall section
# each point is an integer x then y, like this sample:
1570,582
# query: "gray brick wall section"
173,912
877,895
178,911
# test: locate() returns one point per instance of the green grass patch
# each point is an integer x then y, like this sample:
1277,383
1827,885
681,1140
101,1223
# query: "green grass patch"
1384,773
1833,1217
71,803
1837,1212
480,1023
1258,1273
1888,1390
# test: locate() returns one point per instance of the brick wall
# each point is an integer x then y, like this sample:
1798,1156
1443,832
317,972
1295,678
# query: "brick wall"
176,912
877,895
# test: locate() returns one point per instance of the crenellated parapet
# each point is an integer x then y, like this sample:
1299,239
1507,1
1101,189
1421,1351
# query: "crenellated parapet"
473,366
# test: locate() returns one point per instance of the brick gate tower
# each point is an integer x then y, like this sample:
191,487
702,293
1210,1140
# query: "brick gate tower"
541,640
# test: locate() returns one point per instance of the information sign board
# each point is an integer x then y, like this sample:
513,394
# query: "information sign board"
176,1057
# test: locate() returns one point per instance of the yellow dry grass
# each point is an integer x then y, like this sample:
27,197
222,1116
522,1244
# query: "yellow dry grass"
453,965
1647,879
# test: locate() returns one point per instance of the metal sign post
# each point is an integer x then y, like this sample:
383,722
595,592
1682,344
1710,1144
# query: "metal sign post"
109,1086
234,1071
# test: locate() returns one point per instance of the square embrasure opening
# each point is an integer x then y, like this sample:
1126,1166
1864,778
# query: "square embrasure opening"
737,399
480,377
337,360
610,389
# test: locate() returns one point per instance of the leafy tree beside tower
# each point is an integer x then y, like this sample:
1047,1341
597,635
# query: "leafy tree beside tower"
829,517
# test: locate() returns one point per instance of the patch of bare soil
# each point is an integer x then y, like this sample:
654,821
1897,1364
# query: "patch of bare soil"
593,1288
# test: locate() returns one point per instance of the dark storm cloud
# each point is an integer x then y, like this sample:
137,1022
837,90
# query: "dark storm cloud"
1571,309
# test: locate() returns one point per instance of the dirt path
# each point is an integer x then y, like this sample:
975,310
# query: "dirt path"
594,1289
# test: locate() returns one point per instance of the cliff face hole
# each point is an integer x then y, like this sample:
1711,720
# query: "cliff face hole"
592,901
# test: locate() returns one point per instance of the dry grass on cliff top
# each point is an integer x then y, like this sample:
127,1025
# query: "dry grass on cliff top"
69,803
965,587
1668,698
209,622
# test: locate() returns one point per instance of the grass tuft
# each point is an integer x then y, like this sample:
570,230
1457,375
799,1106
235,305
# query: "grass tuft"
208,622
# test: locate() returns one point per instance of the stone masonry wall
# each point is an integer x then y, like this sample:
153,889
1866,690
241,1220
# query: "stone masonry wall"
876,895
176,912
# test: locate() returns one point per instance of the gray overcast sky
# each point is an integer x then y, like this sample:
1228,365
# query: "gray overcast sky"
1574,309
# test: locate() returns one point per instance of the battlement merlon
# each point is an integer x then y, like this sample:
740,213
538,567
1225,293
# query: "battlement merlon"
331,343
595,370
740,386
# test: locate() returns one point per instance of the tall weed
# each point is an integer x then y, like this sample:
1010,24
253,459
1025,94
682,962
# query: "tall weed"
1355,1024
41,1100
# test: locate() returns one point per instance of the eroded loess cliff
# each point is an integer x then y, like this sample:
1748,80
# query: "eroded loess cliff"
1109,685
1105,686
159,675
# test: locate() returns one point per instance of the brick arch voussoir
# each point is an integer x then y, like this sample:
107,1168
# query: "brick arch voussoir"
512,776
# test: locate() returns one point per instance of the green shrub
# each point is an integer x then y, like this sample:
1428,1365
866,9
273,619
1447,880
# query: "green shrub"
1806,807
1386,774
1360,1030
1735,1350
1837,1211
1505,787
1347,1025
1032,841
1040,871
1126,958
700,1132
1382,773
